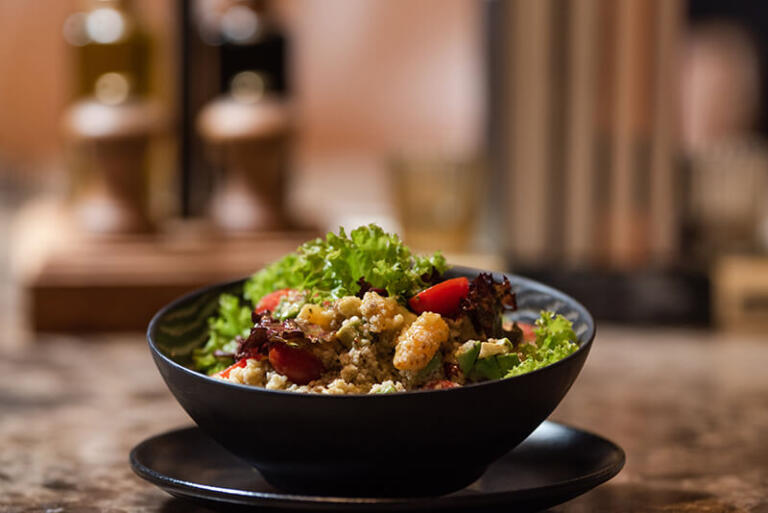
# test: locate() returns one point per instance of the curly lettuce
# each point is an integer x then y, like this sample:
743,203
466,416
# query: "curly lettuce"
330,268
555,339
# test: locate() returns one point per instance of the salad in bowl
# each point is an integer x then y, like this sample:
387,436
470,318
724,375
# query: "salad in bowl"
359,313
353,367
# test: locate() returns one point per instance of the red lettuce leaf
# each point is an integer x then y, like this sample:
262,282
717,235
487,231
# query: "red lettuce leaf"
486,302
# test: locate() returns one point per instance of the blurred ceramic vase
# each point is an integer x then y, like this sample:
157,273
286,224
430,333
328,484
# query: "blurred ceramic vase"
247,134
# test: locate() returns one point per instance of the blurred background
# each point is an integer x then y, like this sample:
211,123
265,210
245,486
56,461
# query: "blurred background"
613,148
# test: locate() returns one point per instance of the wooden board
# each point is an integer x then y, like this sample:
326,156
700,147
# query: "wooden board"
75,283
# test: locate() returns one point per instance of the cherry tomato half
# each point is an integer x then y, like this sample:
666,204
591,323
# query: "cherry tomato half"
271,300
443,298
296,364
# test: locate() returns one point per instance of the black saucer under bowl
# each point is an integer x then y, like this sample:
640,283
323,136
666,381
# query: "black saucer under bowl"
402,444
556,463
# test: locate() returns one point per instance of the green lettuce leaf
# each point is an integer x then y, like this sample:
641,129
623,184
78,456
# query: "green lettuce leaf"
542,359
330,268
553,331
233,319
555,339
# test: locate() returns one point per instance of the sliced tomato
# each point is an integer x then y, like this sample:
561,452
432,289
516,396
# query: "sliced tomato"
240,363
271,300
529,335
443,298
295,363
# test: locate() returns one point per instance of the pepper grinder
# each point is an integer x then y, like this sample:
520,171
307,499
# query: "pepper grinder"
112,143
110,126
247,134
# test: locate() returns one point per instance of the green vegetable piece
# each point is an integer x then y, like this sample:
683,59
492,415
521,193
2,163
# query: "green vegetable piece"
487,368
348,332
389,388
468,358
495,347
431,367
507,361
288,308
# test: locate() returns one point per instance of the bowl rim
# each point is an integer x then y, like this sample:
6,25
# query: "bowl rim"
461,270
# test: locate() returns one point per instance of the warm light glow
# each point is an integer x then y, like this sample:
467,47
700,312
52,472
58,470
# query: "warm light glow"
240,24
105,25
247,87
112,88
74,30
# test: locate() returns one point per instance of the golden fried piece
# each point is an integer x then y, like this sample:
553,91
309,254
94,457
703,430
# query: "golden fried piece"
418,343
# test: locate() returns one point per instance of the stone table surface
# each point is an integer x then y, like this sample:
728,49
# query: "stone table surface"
690,408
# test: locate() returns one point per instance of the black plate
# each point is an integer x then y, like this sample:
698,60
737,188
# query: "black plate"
556,463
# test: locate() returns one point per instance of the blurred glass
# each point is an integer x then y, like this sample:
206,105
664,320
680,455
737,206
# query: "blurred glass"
437,201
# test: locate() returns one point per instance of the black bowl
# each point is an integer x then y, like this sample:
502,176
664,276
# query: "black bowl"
405,444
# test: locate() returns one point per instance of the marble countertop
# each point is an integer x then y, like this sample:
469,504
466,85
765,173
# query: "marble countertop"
689,408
